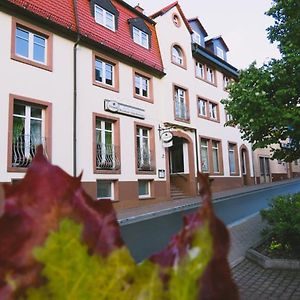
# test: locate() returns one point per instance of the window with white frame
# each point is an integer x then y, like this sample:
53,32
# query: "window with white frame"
143,149
220,52
196,38
181,109
226,81
142,86
210,75
232,158
177,55
104,17
105,149
200,70
31,45
204,155
28,132
144,188
105,189
202,107
140,37
213,111
104,72
215,156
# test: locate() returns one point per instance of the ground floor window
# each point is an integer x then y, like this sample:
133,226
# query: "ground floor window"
105,189
233,159
144,188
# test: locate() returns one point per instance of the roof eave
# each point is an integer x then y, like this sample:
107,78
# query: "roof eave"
217,62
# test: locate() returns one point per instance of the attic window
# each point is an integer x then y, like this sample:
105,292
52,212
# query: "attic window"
220,52
105,13
140,32
176,20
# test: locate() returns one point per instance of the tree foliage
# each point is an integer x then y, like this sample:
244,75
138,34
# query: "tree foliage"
265,102
57,243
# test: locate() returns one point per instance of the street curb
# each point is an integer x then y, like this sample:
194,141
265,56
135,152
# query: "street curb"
271,263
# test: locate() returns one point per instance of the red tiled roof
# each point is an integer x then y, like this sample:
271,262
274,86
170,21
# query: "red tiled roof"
62,12
167,8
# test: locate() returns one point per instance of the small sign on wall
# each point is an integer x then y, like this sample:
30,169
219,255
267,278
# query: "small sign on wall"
124,109
161,173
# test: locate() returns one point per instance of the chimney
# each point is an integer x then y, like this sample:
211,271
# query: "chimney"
138,8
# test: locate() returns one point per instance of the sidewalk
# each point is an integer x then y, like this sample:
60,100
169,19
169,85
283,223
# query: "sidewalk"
135,214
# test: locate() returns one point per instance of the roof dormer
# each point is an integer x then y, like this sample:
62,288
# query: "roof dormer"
218,47
199,33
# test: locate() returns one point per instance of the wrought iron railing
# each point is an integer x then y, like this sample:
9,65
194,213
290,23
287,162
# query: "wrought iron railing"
181,111
24,149
107,157
145,159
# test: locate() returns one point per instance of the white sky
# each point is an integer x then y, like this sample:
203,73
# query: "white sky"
242,24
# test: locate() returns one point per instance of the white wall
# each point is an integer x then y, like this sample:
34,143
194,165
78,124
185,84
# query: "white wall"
29,81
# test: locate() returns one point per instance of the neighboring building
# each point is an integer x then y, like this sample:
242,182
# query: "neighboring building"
197,73
130,100
269,170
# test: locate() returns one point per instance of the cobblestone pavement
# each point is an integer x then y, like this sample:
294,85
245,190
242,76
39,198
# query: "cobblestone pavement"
257,283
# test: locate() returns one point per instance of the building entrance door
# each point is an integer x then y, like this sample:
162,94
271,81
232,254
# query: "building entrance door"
264,163
177,164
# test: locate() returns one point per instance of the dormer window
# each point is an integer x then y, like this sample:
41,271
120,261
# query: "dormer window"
196,38
104,17
140,32
140,37
220,52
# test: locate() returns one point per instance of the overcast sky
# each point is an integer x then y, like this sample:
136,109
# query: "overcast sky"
242,24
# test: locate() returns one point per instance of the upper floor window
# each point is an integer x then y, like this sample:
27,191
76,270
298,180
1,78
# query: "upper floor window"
220,52
29,129
210,75
200,70
106,72
213,111
140,37
181,104
226,81
196,38
176,20
177,55
208,109
32,46
142,87
104,18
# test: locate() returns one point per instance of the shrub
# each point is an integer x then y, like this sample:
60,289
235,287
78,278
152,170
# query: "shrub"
283,223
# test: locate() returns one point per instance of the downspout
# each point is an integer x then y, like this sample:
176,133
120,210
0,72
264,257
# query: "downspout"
75,89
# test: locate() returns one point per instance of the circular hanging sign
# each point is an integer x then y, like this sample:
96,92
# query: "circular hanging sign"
166,136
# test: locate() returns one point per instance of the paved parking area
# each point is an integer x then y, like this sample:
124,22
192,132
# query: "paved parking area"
257,283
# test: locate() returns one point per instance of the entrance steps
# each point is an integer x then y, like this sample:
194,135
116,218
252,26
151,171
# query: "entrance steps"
177,193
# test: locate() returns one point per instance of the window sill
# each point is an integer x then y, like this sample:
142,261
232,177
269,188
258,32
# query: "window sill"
146,99
31,62
188,121
150,172
96,171
146,198
208,119
183,66
207,81
17,170
105,86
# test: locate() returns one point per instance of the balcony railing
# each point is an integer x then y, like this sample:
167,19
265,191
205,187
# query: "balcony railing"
181,111
24,149
107,157
145,159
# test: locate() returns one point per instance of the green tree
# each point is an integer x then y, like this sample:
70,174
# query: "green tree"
265,101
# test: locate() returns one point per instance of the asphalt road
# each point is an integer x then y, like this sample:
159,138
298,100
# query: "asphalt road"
149,236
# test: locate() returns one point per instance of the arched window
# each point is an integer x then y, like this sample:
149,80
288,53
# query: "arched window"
177,55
